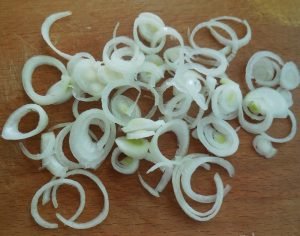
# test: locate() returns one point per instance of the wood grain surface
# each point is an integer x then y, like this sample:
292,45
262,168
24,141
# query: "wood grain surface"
265,199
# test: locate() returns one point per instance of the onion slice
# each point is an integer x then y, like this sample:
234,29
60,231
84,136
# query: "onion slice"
58,93
101,216
34,203
45,30
10,129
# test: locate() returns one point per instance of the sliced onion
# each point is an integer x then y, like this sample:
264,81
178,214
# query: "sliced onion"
117,63
10,129
265,100
233,43
289,77
196,215
256,58
46,26
181,170
263,146
240,42
147,24
58,93
180,129
34,203
138,86
102,215
91,154
190,168
226,100
217,136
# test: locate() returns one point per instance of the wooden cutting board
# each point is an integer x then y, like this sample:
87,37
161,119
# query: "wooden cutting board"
265,199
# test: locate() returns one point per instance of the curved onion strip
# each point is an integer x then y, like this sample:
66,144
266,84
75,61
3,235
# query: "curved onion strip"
117,63
59,153
174,35
255,128
91,154
45,30
254,59
196,215
190,168
58,93
241,42
137,85
265,100
266,72
226,101
290,136
234,39
179,170
220,61
125,167
180,129
34,203
148,24
168,108
10,129
217,136
102,215
263,146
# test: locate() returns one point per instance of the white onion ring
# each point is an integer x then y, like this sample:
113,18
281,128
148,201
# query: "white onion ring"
119,64
45,30
221,103
180,129
102,215
137,85
254,59
57,93
145,22
37,195
206,129
221,39
10,129
91,154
